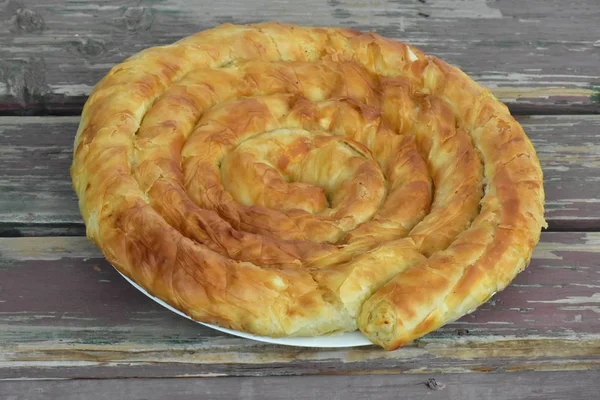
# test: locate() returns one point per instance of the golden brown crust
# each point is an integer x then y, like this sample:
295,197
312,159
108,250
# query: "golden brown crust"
301,181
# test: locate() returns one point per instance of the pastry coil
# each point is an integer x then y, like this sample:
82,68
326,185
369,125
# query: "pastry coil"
291,181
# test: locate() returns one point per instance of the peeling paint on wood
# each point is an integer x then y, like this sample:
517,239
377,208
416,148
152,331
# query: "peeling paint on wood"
36,197
499,386
548,62
65,312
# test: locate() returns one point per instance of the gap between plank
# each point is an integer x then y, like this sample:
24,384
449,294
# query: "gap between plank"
42,110
8,230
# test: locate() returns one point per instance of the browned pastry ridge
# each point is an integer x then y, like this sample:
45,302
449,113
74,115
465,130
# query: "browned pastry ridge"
290,181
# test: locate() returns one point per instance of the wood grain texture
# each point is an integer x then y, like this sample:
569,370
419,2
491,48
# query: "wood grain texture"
541,56
36,197
499,386
66,313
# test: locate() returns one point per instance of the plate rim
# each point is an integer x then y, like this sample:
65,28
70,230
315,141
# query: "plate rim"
345,339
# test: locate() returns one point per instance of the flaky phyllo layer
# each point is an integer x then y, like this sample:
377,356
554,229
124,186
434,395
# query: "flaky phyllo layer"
290,181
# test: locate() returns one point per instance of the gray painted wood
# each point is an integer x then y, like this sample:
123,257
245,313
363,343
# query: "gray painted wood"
36,197
66,313
541,56
581,385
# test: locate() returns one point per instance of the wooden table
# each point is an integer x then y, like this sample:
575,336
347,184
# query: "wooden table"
70,327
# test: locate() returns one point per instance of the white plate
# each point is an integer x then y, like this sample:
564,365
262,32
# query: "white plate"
347,339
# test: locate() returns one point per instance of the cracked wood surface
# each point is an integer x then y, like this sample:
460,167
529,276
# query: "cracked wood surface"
527,385
36,197
71,327
66,313
539,56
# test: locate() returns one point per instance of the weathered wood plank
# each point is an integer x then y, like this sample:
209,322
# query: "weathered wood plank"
580,385
65,313
36,196
538,57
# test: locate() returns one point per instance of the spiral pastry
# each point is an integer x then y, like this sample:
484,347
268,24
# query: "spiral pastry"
289,181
